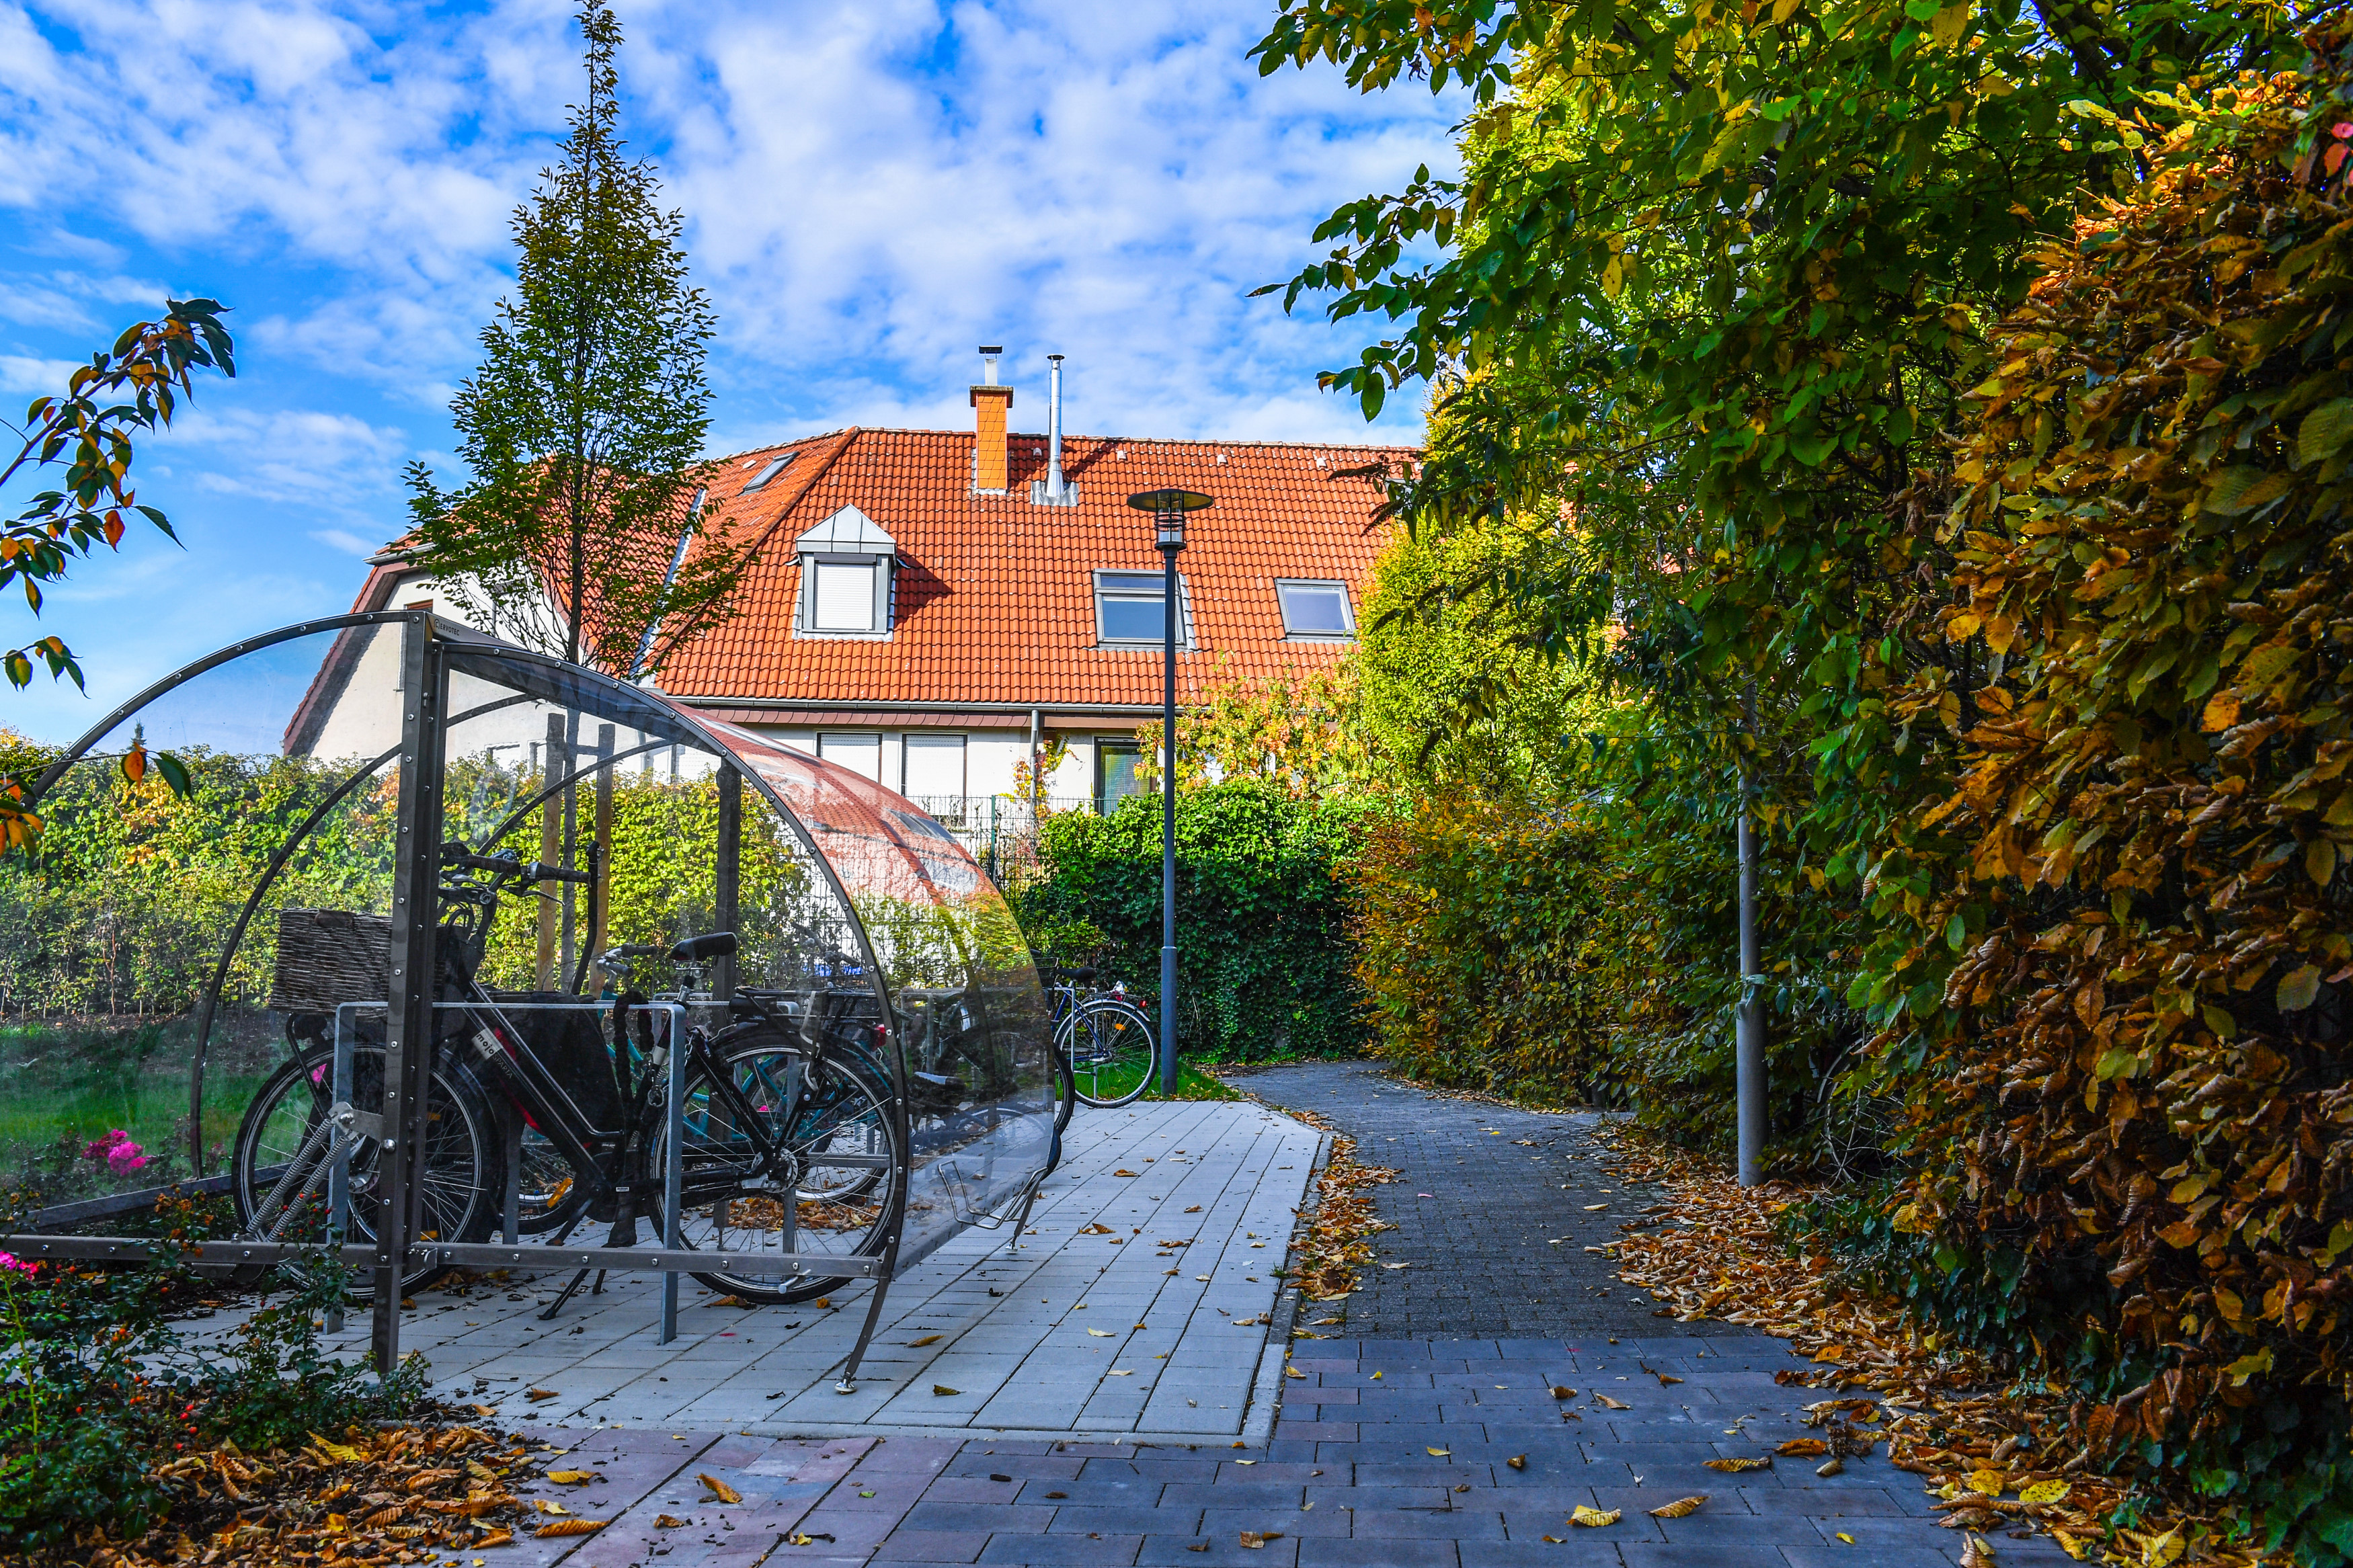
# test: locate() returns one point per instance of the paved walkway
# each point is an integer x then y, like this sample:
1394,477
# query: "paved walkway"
1089,1327
1390,1452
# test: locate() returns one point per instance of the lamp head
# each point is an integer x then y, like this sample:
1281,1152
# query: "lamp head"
1168,509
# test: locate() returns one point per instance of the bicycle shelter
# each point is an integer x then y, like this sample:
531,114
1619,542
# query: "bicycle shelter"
872,1050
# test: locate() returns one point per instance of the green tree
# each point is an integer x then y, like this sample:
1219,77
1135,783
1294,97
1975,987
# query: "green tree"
583,426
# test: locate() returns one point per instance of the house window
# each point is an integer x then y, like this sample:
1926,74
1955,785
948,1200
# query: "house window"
1115,760
776,466
1131,609
935,771
1318,610
860,753
842,596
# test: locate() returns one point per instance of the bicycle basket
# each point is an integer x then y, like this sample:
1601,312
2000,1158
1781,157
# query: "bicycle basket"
329,957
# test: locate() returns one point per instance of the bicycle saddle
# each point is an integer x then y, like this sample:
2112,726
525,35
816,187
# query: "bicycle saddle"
711,944
1081,975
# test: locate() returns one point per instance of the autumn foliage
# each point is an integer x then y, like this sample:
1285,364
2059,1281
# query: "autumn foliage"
2139,1076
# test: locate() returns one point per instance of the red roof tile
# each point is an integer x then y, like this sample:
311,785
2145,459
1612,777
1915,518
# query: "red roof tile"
994,594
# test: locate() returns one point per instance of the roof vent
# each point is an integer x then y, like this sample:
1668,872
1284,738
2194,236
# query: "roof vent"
1052,491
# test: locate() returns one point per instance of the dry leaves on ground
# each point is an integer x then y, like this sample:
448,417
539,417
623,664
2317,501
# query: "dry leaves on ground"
400,1495
1996,1455
1339,1228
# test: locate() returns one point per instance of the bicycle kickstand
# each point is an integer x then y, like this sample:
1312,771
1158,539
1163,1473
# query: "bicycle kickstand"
563,1296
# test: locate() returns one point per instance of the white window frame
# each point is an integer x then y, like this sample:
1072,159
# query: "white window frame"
1347,610
1102,594
885,596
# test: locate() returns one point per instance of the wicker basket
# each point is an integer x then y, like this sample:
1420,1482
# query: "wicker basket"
329,957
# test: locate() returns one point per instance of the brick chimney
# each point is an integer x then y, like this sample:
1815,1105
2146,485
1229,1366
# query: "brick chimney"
989,467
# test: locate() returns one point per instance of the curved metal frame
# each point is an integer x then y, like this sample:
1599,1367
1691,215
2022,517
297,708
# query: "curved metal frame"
434,650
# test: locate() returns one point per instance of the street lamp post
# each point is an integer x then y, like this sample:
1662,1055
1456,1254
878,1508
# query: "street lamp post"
1168,509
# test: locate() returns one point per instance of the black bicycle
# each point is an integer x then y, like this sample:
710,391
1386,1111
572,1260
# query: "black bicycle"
1103,1039
789,1145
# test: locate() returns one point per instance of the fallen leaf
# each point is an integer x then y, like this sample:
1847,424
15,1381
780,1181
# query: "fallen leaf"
1802,1449
537,1394
1118,1372
1517,1462
1609,1403
1975,1553
1734,1466
341,1453
1591,1207
1833,1466
942,1388
1439,1453
2160,1551
720,1488
570,1526
495,1538
2044,1491
1256,1540
1664,1381
1203,1546
1127,1173
1682,1508
545,1506
572,1478
1195,1209
1842,1535
1991,1482
926,1340
1102,1334
668,1522
1562,1391
1293,1372
1593,1518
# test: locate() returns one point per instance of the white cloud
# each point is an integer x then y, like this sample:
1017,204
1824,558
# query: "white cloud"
26,373
347,542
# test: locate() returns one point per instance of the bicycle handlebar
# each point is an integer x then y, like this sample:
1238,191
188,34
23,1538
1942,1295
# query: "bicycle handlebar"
455,854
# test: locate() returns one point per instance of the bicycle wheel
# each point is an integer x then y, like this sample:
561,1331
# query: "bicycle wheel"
462,1173
1066,1090
1109,1047
823,1187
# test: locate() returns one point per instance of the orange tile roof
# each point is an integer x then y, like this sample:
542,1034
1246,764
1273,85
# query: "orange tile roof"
995,595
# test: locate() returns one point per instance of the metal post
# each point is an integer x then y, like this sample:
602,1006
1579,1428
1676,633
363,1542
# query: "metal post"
600,892
730,856
1748,1048
339,1174
673,1161
408,1021
551,849
1169,826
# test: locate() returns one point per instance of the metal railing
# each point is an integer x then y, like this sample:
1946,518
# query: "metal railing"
1000,831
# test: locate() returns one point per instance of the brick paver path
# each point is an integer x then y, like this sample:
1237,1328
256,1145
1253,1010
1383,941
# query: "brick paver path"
1391,1452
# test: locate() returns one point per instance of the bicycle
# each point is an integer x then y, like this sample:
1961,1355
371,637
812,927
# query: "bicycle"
790,1135
1102,1040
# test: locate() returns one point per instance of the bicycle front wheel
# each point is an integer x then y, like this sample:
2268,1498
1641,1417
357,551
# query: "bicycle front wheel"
1109,1047
780,1158
280,1141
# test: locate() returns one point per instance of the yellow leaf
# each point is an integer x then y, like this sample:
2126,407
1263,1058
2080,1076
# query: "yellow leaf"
720,1488
2044,1491
2164,1551
2320,861
1102,1334
571,1477
1293,1372
1256,1540
1613,277
926,1340
1975,1553
570,1526
944,1390
1682,1508
1961,627
1802,1448
2073,1545
2001,633
1593,1518
2221,711
1735,1467
1609,1403
1989,1482
1439,1453
1947,27
545,1506
341,1453
1842,1535
495,1538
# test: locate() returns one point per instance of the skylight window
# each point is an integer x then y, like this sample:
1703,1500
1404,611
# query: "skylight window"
776,466
1316,609
1131,609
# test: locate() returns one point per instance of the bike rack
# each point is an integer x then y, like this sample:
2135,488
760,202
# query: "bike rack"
897,902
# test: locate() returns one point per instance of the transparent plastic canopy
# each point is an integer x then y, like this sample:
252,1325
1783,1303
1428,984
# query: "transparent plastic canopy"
163,954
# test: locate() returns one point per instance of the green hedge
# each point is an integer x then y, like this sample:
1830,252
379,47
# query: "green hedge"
1265,907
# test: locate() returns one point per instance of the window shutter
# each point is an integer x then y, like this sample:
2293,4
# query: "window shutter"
844,598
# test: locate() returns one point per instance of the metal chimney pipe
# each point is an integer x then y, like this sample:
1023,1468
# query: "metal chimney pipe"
1054,496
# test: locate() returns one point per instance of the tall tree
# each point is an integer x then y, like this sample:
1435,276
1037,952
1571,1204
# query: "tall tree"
582,426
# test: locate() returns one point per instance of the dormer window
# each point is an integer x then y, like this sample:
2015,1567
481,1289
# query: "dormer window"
846,578
1315,611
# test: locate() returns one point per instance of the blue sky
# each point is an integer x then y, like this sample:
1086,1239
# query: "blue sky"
870,189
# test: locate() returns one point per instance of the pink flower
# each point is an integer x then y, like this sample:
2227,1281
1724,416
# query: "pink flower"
103,1146
10,1260
125,1157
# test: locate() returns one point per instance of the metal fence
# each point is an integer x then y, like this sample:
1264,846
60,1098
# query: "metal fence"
1000,831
